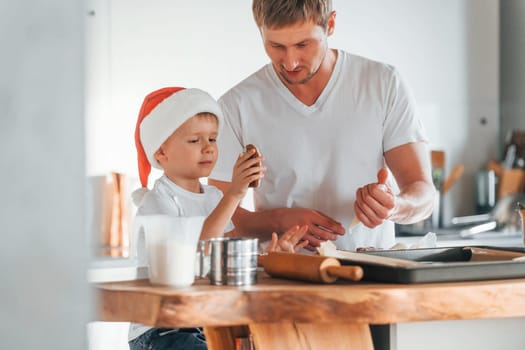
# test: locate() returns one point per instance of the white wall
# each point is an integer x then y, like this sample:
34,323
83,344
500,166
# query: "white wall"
484,334
45,300
446,49
512,68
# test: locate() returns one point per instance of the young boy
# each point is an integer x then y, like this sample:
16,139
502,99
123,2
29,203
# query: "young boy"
176,132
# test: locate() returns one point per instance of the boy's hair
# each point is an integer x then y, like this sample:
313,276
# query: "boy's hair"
280,13
207,115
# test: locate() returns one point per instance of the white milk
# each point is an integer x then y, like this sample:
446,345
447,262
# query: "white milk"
172,263
171,244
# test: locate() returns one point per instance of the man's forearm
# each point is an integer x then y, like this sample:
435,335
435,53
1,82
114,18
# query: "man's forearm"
415,203
258,224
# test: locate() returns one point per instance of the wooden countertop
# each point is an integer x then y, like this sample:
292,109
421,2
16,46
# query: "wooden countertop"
271,299
290,301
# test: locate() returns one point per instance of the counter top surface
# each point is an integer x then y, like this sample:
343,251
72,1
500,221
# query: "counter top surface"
274,299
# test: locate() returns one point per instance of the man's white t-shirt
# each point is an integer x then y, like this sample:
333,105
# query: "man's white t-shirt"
167,198
317,156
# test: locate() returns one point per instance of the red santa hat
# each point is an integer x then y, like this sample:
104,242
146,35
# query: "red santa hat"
162,112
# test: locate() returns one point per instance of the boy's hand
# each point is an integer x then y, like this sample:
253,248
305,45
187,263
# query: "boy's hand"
255,154
245,171
291,241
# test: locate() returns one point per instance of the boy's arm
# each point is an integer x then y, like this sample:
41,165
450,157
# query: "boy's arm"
245,171
247,223
218,219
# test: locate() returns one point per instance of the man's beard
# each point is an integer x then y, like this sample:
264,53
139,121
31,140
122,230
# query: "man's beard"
303,81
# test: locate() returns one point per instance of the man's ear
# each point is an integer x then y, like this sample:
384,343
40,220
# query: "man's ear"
330,26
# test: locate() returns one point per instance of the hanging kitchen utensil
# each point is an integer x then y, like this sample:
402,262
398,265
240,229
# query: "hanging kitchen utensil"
521,211
454,176
438,177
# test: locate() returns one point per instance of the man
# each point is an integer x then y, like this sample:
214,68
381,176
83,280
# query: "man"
328,124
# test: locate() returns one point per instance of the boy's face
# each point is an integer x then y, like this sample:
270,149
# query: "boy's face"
191,151
298,50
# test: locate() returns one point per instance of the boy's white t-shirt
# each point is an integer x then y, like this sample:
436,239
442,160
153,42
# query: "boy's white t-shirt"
167,198
317,156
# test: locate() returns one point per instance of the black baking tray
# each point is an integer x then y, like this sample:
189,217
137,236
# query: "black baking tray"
446,264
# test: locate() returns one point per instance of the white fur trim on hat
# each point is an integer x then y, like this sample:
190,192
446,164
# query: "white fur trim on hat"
171,113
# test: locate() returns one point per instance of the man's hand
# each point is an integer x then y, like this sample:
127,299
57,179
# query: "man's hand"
375,202
320,227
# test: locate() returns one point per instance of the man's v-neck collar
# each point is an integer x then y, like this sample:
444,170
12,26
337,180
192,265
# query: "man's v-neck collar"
290,98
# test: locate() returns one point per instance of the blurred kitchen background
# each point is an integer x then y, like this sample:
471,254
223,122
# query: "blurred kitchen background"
74,74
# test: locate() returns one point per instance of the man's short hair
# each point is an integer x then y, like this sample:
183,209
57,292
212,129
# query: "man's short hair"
280,13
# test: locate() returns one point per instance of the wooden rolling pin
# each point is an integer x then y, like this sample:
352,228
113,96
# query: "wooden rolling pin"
311,268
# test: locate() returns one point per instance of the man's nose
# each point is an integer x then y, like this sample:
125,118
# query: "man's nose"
290,60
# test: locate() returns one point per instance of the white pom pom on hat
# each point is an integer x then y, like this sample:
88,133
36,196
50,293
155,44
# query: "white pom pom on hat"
162,112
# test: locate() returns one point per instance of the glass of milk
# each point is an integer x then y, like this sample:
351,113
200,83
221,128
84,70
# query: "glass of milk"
171,244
